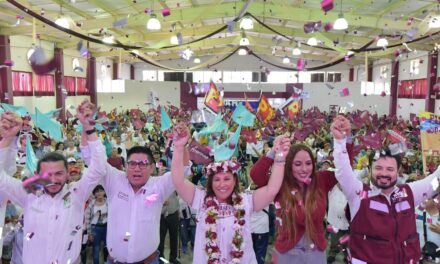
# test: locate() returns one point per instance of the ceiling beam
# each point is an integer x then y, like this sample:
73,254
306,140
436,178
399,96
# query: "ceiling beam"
73,9
293,13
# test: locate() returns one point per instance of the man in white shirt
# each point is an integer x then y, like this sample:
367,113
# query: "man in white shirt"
135,202
53,217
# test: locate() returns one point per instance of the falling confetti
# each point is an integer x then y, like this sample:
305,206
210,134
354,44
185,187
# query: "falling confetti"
127,236
151,198
29,236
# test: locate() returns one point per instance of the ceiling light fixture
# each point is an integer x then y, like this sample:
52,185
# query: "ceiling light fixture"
286,60
174,40
108,39
197,60
312,41
242,52
153,23
62,22
382,42
340,23
434,22
246,23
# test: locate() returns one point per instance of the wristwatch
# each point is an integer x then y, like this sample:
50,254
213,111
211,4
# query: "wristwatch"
90,131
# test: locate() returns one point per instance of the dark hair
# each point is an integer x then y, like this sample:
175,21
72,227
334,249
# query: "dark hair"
383,153
210,191
58,144
98,188
164,162
141,150
119,150
52,157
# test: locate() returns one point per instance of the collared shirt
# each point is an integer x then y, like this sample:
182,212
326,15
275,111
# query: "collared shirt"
172,205
133,221
52,225
336,209
353,187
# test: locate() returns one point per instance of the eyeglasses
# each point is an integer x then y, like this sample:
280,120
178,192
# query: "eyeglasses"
141,163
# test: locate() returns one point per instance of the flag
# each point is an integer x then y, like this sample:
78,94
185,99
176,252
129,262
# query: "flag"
227,148
213,99
20,110
165,121
265,111
52,128
218,126
242,116
50,114
199,153
31,158
291,108
247,104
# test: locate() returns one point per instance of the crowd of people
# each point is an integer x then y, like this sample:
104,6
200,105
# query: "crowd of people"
321,187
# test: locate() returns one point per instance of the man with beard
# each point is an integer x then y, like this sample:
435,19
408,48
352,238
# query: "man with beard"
53,216
383,226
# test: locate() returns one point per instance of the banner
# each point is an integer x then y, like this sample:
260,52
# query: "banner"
430,140
213,99
265,111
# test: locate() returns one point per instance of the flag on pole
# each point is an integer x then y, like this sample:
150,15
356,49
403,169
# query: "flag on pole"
52,128
242,116
165,121
265,111
31,158
227,148
291,109
213,99
247,104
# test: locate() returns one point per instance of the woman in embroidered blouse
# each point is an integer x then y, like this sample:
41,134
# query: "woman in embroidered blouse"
223,230
301,236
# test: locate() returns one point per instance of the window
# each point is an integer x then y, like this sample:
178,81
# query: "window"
45,85
149,75
304,77
415,89
81,86
414,67
334,77
173,76
371,88
237,77
207,76
317,77
22,83
69,83
282,77
384,72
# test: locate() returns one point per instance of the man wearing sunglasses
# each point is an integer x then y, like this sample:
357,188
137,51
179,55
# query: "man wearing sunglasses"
135,201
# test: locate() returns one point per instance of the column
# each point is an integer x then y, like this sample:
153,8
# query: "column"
60,95
6,95
394,88
91,79
431,81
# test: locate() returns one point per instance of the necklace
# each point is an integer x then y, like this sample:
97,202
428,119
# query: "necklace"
212,249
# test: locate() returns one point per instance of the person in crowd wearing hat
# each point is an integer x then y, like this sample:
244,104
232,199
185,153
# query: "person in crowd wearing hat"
135,201
223,230
300,205
382,214
53,217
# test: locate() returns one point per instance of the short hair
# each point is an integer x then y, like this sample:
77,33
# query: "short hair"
52,157
141,150
383,153
98,188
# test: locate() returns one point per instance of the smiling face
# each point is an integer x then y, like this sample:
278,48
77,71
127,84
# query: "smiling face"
138,175
57,174
384,173
223,185
302,166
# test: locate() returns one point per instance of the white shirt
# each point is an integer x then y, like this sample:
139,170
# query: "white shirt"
132,225
54,224
260,222
251,147
351,186
336,209
225,230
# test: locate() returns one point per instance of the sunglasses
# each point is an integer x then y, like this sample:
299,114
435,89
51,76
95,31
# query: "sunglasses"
143,164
